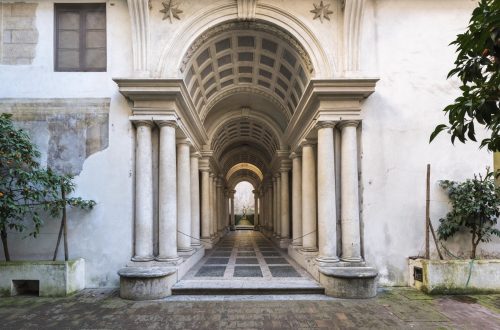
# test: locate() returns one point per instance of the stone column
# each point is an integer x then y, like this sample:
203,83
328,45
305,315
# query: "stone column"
278,205
205,204
213,216
296,199
270,201
183,196
219,205
308,198
256,208
232,209
351,239
195,199
143,192
275,208
167,194
226,208
285,206
327,210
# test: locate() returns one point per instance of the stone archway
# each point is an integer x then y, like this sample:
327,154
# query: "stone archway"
249,93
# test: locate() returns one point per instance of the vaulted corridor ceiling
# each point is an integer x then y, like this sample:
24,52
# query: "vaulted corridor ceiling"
246,80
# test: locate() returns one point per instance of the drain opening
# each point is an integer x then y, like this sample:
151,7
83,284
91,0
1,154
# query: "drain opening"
418,274
25,287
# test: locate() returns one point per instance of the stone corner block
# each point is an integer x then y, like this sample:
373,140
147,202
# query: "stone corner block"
146,283
349,282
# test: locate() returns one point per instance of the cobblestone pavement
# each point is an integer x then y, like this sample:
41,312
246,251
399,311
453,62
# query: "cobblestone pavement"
400,308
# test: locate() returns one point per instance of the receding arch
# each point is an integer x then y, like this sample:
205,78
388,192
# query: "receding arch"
222,11
245,166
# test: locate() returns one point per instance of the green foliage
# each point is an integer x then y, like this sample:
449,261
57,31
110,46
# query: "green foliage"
475,208
478,68
28,191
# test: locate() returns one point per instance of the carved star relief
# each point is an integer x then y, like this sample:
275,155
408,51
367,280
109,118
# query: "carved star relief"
170,10
321,11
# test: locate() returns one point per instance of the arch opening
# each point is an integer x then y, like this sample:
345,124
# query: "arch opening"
246,80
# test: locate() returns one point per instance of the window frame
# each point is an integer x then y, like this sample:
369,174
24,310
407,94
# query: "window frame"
82,7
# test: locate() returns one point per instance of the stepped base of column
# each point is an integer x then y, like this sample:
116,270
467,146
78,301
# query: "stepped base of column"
154,279
340,279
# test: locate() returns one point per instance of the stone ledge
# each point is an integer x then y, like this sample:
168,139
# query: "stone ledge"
349,272
145,272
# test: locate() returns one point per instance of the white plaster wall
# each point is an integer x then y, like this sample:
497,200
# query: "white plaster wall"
410,44
404,43
103,236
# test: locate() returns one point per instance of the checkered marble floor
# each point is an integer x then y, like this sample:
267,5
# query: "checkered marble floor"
246,259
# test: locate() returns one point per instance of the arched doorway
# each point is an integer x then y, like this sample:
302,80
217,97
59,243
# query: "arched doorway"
249,101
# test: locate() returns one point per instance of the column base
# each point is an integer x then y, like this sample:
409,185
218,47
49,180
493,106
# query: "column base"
351,259
309,249
169,260
297,242
284,242
142,258
327,261
186,252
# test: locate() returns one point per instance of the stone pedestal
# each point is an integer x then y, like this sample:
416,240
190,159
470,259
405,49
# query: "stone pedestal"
146,283
349,282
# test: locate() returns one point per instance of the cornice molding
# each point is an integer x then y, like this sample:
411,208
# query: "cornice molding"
328,100
158,97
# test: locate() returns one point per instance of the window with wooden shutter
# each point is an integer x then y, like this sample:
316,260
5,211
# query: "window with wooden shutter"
80,37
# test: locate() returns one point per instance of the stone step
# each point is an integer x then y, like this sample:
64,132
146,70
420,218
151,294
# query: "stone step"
239,287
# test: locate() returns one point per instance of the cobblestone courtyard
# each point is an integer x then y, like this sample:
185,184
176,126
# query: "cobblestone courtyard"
400,308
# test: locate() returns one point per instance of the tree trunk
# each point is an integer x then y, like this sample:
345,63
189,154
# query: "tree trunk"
5,246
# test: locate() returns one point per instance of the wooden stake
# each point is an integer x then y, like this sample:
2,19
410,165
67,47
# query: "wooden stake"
427,218
58,240
435,240
65,226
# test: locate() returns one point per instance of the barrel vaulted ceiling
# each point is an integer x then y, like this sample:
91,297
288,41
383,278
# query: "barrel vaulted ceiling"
246,65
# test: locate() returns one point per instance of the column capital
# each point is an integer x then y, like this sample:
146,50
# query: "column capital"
307,142
166,123
296,154
276,175
213,175
196,155
285,166
142,122
183,141
348,123
325,124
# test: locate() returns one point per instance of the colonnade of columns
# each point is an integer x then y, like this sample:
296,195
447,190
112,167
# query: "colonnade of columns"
184,212
313,196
